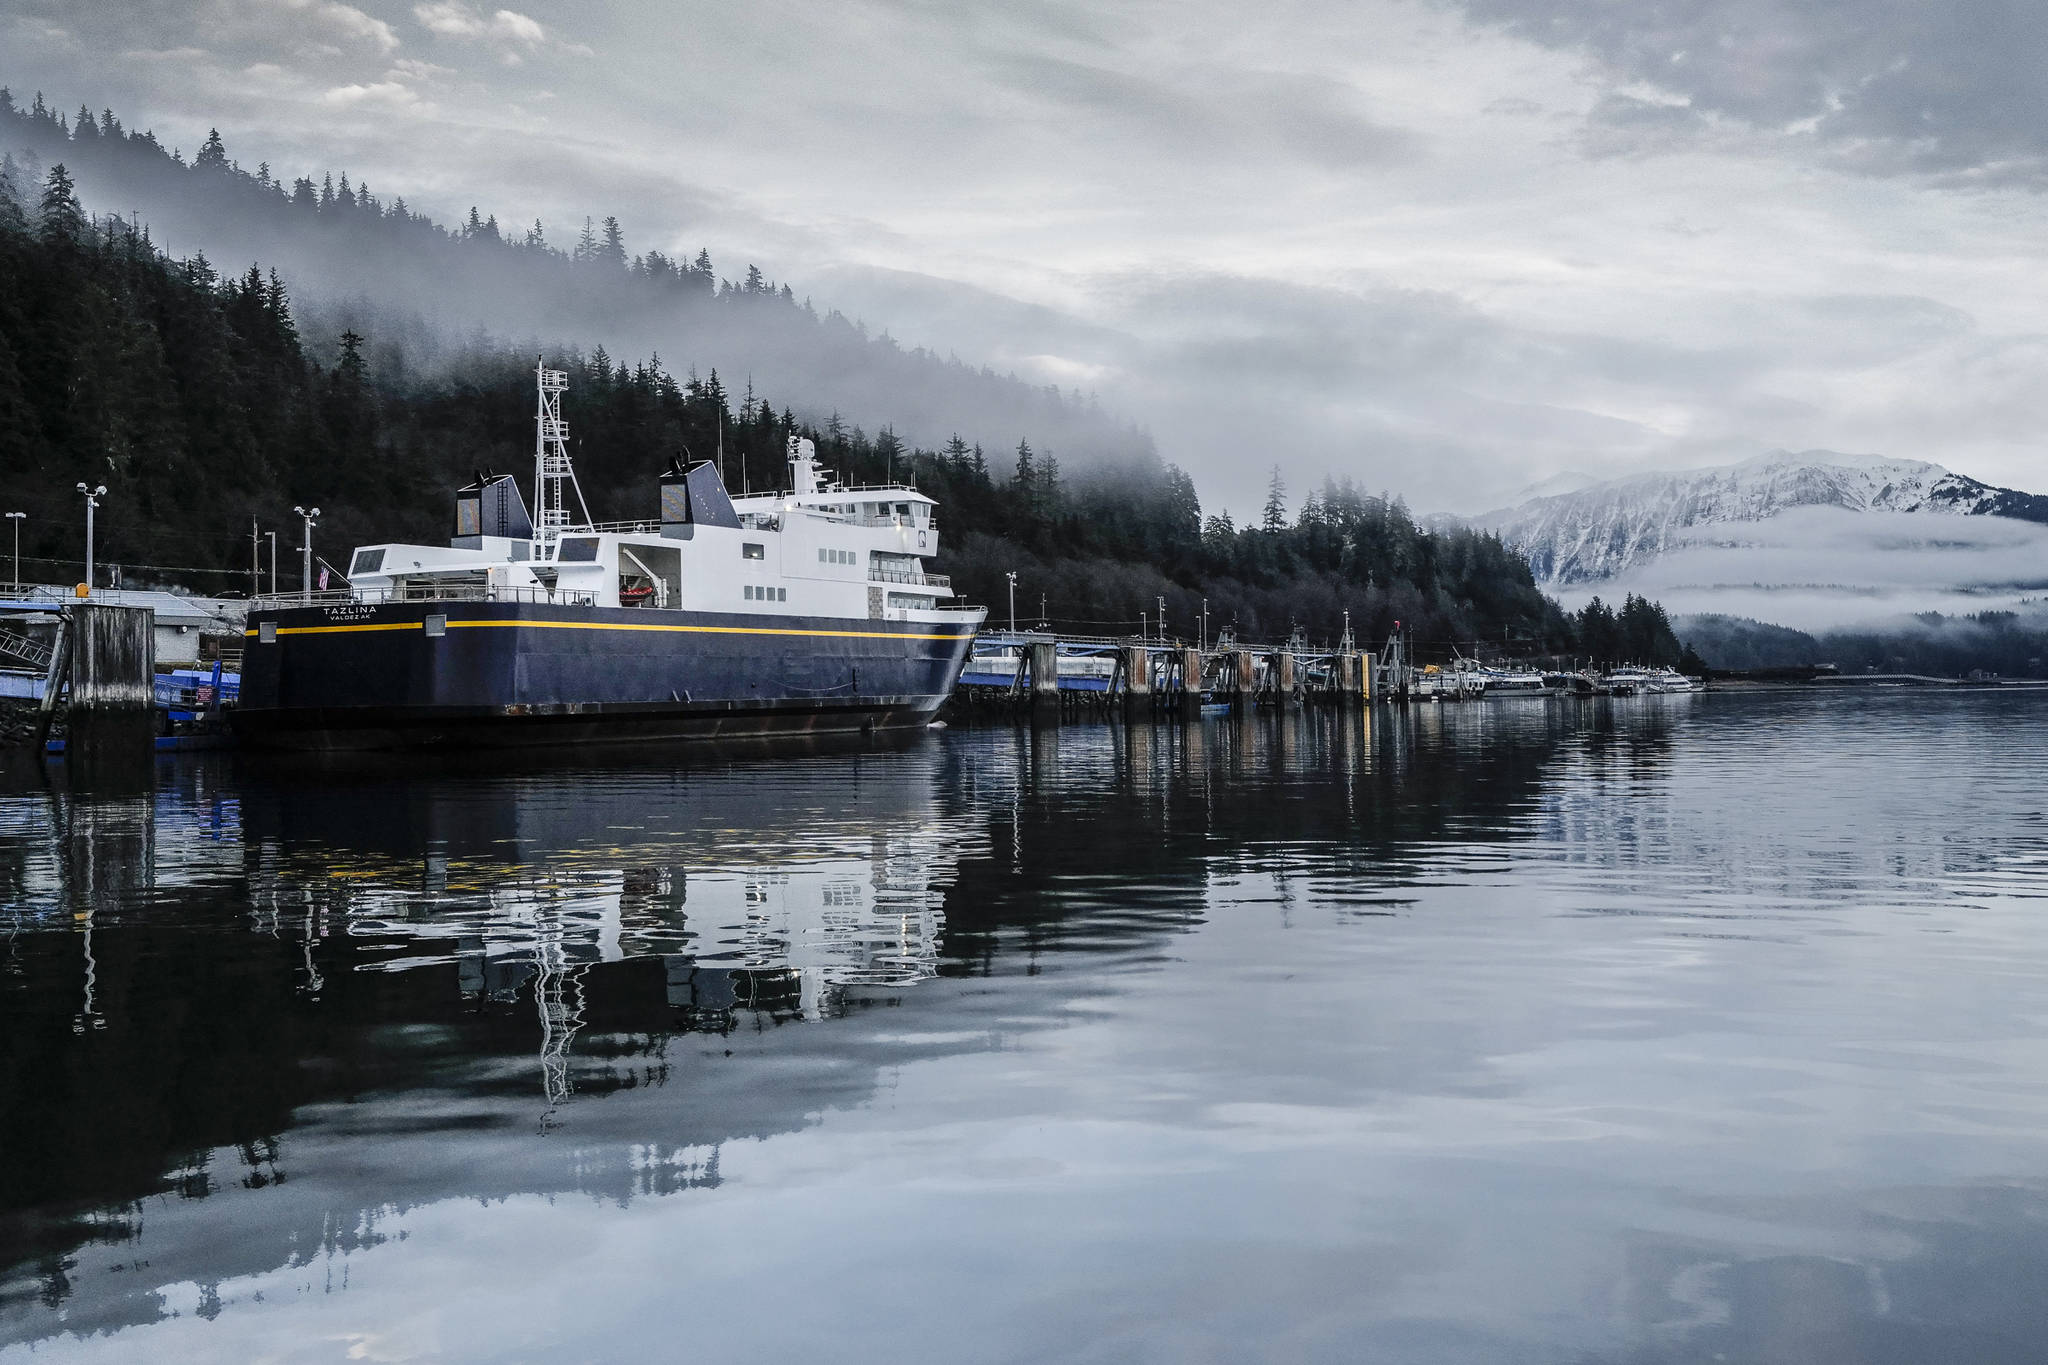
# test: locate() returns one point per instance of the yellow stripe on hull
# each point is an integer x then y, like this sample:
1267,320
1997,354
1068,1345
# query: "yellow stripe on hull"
602,625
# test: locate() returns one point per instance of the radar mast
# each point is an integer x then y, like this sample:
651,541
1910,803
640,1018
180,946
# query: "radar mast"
551,466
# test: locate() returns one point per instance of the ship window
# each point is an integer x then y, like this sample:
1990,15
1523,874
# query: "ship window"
437,625
367,561
266,632
782,594
902,509
753,552
577,550
747,592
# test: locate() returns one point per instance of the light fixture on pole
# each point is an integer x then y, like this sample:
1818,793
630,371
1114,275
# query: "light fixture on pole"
16,517
92,500
307,516
1013,601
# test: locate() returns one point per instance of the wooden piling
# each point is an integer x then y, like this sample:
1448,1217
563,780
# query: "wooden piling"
111,719
1243,679
1190,681
1045,681
1137,673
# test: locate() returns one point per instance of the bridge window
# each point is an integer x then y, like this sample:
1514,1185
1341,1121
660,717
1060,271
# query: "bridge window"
753,551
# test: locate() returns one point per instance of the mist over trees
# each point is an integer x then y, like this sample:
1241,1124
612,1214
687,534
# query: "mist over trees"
337,242
1933,644
211,399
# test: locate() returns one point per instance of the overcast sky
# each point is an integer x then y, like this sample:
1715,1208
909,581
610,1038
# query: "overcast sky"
1450,247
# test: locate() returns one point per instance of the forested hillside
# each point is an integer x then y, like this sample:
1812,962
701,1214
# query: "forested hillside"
414,286
201,402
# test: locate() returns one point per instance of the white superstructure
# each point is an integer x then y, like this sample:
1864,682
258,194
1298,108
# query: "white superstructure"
819,549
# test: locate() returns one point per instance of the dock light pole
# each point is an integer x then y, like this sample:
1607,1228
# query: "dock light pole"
308,516
273,560
1205,623
1013,601
1162,620
16,517
92,500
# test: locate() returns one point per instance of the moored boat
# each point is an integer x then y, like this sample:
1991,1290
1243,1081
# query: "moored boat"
808,610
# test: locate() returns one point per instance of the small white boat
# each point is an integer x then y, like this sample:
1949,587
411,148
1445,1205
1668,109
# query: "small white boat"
1500,682
1633,680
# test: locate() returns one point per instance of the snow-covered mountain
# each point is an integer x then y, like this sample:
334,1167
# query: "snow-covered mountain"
1607,529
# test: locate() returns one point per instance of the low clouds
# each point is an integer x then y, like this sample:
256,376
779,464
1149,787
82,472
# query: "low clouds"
383,94
512,35
1952,90
345,21
1212,110
455,20
1821,568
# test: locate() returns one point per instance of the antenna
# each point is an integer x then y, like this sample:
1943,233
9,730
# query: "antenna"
551,465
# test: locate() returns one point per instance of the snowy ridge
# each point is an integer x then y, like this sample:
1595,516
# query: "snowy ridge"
1609,528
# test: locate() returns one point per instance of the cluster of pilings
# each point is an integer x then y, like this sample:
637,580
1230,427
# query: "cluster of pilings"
1158,680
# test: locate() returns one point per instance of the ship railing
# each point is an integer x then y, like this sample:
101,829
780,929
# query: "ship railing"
617,528
919,580
427,592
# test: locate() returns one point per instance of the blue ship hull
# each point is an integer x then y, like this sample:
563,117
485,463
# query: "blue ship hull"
488,674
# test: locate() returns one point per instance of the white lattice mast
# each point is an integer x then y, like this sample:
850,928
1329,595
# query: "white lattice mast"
551,466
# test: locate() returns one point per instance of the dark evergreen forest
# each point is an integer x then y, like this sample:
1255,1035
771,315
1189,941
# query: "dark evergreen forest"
198,398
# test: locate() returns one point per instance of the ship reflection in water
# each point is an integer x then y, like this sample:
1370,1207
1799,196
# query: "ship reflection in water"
375,986
1645,1030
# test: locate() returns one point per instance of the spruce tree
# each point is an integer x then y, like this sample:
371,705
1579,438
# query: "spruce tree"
1275,518
63,221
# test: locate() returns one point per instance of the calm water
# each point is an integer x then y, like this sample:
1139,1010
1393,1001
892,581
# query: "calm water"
1660,1030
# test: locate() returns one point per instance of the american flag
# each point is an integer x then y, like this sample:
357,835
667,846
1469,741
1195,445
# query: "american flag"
323,578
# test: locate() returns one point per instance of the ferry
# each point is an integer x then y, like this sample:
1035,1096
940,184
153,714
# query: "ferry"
810,610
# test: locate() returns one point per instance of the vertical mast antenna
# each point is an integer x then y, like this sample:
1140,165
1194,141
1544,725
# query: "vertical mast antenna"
551,465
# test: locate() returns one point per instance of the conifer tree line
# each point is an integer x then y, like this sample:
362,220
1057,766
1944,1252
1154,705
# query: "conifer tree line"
194,395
